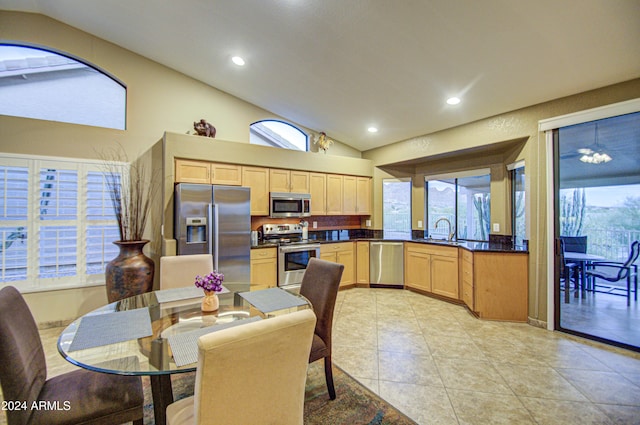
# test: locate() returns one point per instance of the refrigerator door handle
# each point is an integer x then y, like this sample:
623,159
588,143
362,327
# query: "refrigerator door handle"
211,223
216,244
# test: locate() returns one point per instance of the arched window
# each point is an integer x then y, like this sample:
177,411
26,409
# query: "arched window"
41,84
278,134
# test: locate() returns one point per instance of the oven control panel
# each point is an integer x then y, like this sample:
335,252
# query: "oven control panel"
281,229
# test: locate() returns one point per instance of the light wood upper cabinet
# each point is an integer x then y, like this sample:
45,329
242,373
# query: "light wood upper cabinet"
257,179
334,194
188,171
300,182
318,191
288,181
228,174
349,195
363,196
279,180
362,263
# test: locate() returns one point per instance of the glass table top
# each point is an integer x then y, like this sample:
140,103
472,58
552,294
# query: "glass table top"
118,338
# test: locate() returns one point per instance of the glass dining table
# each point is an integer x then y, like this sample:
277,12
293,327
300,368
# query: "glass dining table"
155,334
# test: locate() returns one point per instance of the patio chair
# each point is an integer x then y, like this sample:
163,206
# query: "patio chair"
613,271
575,243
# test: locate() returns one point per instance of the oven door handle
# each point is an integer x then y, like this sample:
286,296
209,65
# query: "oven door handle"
298,248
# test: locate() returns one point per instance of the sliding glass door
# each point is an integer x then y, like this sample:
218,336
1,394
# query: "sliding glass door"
597,219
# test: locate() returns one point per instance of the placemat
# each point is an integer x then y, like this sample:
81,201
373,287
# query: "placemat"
272,299
176,294
184,346
109,328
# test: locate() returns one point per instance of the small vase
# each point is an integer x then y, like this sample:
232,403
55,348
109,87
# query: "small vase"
210,301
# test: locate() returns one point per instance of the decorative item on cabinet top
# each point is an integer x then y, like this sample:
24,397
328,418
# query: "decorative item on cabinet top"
323,141
203,128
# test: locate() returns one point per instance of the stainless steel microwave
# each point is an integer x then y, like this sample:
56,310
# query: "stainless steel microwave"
285,204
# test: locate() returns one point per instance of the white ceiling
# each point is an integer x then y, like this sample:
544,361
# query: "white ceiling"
340,66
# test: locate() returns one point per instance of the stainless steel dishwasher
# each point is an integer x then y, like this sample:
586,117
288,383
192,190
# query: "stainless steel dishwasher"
386,264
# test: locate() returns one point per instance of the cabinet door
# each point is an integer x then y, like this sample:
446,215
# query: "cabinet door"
279,180
227,174
334,194
328,256
444,276
318,191
417,272
258,180
362,263
264,268
299,182
349,196
192,171
346,258
363,196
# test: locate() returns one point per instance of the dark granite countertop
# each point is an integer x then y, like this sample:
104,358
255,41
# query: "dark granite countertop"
498,244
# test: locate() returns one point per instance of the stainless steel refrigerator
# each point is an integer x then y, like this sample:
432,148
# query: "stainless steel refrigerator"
216,220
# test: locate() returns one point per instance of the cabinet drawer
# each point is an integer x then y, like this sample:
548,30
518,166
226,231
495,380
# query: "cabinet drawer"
260,253
444,251
467,295
335,247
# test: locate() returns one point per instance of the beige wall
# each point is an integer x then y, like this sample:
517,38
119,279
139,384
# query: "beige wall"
495,142
159,99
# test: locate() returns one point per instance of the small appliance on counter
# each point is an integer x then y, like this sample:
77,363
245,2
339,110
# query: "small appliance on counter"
293,252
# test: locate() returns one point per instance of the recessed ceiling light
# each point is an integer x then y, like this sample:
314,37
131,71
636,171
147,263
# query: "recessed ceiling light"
238,60
372,130
453,100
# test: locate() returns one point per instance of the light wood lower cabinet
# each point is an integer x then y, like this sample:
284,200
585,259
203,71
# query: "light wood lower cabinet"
431,268
264,268
466,278
362,263
342,253
500,285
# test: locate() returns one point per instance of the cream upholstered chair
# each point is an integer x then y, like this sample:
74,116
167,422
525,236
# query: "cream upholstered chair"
250,374
180,270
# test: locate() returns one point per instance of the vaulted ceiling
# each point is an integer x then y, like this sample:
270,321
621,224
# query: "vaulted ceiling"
342,66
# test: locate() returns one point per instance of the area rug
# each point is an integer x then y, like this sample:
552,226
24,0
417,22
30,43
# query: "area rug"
354,404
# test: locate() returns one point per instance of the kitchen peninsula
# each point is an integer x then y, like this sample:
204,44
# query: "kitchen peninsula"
491,279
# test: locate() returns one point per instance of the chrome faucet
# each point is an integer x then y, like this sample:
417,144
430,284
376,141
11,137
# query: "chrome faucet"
451,228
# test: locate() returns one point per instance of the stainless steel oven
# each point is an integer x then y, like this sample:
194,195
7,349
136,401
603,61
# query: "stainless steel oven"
292,262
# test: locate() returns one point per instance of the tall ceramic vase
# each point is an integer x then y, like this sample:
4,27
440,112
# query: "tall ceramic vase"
130,273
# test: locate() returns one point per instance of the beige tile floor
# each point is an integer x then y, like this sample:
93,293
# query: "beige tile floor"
440,365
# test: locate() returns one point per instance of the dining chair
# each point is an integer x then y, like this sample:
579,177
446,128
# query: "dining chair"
613,271
178,271
569,271
250,374
78,397
320,285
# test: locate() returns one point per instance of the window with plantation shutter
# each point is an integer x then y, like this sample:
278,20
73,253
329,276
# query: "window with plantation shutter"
57,226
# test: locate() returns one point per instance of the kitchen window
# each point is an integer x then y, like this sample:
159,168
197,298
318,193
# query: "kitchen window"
42,84
396,212
56,223
464,200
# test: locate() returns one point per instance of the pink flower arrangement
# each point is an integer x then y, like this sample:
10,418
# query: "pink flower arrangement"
211,282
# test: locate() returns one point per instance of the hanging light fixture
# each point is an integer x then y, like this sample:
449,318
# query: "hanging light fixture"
596,155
